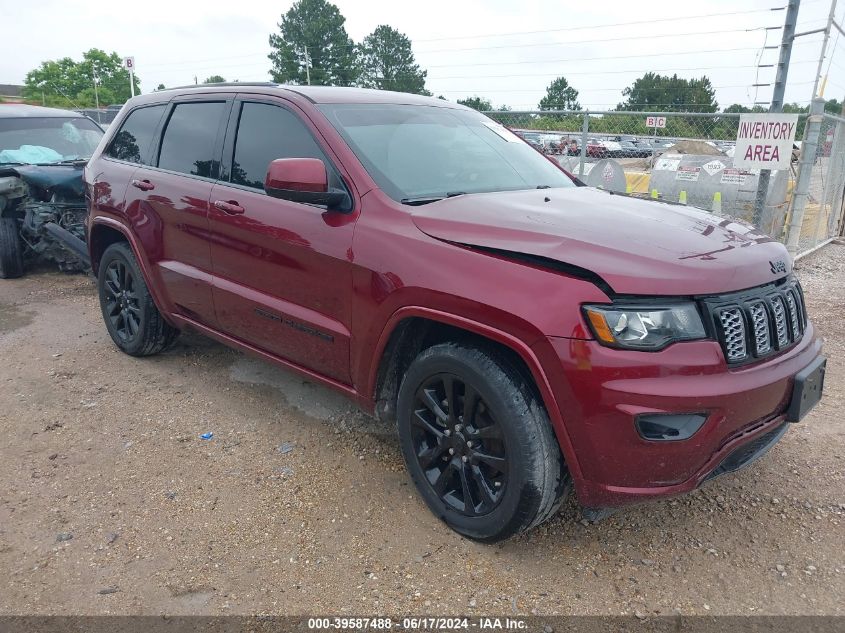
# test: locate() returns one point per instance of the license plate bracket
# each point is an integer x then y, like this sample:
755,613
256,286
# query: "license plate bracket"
807,389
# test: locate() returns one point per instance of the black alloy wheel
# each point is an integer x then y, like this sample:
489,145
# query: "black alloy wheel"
459,445
478,442
131,316
122,302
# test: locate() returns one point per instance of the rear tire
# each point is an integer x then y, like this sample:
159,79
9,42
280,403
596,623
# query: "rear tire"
132,318
478,443
11,249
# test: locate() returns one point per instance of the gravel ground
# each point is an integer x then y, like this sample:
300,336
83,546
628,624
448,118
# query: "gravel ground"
111,503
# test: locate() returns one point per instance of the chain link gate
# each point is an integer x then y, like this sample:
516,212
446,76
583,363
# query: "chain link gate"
687,158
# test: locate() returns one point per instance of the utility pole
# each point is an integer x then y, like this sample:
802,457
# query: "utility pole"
777,98
307,66
96,95
830,21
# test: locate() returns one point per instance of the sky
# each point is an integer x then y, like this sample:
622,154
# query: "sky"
506,51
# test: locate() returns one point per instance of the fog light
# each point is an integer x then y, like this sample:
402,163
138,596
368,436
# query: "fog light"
669,426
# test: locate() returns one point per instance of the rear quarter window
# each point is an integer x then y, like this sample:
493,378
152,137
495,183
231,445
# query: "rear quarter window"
133,141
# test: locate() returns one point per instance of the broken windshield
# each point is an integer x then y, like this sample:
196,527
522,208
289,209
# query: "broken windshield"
36,141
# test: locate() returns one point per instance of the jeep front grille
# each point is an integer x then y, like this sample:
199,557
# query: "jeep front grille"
733,331
759,322
781,327
760,328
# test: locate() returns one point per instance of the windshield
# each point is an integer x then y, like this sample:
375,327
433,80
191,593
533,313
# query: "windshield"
418,152
33,140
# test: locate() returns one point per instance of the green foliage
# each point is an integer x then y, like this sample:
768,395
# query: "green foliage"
387,62
313,30
68,83
654,92
477,103
214,79
560,96
160,87
741,109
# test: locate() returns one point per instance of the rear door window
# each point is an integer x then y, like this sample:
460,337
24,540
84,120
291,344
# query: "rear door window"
132,143
267,132
190,139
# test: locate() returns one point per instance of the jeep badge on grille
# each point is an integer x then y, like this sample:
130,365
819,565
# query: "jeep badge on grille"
778,266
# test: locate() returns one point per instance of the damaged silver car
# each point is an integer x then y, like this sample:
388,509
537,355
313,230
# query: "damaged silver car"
42,203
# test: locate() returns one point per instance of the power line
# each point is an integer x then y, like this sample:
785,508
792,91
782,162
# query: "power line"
601,40
603,72
603,26
473,90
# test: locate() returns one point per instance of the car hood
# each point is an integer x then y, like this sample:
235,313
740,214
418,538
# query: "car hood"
63,179
636,246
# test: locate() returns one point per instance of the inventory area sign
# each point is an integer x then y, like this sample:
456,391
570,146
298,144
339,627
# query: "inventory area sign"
764,141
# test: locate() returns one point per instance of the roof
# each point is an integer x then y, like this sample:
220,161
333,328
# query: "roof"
20,110
315,94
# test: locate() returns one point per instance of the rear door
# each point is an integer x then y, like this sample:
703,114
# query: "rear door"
167,203
108,176
282,269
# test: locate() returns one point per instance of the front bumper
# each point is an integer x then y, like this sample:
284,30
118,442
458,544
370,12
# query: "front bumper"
599,392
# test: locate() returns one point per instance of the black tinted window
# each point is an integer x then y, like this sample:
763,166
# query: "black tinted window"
265,133
132,142
190,137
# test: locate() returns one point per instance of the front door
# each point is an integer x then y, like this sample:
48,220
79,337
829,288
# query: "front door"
282,273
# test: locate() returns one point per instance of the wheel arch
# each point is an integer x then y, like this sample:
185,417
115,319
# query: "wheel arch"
412,329
107,231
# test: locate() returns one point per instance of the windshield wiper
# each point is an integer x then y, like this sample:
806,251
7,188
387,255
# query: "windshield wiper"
66,161
416,202
421,200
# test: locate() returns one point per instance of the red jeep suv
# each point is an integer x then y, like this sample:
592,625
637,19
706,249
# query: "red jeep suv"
527,335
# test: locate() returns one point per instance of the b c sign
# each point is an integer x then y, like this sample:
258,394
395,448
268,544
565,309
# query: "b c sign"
764,141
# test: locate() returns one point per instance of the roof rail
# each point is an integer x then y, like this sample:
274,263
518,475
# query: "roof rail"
268,84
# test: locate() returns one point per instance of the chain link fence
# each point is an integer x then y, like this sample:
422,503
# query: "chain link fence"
689,160
823,212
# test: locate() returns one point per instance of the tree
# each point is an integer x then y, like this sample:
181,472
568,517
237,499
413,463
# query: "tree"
312,42
215,79
477,103
160,87
672,94
68,83
387,63
560,96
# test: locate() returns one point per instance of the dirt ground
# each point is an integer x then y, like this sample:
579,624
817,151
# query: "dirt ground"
111,503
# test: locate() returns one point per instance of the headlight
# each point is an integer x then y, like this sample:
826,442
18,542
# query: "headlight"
644,327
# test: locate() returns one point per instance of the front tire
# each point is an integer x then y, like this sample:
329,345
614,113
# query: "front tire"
11,249
132,319
478,444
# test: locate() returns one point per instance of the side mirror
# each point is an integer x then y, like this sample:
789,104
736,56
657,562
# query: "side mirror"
304,180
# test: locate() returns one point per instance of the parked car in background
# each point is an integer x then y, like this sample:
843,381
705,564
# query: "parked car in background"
596,149
645,146
554,143
42,207
611,148
527,336
628,149
661,145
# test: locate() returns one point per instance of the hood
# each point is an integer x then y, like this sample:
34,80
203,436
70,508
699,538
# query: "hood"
64,180
636,246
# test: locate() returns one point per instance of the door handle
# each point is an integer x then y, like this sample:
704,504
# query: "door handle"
143,185
229,207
